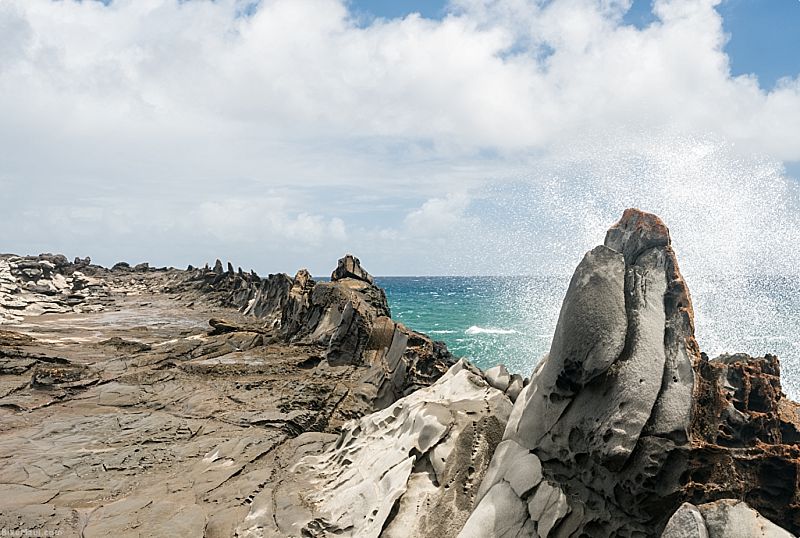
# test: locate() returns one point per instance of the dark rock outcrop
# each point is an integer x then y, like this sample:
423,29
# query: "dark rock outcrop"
347,320
627,420
350,267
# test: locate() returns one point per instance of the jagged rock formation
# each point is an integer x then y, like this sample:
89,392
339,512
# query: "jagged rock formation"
624,419
142,412
350,267
412,469
259,426
47,283
347,320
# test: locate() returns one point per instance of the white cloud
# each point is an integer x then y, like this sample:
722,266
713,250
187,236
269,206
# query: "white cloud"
265,220
303,69
186,118
438,216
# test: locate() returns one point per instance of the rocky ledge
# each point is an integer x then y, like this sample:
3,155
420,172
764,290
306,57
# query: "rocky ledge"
153,401
305,410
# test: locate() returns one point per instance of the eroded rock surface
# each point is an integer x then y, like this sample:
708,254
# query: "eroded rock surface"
347,321
412,469
624,420
133,415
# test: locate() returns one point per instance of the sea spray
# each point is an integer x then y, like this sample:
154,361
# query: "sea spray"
734,220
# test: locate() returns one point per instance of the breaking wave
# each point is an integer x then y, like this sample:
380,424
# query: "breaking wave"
481,330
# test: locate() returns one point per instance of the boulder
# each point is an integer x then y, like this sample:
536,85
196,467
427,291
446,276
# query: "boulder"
721,519
686,522
498,377
727,518
515,387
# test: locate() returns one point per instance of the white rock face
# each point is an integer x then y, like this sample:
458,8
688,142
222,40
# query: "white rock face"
424,457
501,513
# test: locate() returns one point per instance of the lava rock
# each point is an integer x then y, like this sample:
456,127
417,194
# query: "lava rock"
628,420
350,267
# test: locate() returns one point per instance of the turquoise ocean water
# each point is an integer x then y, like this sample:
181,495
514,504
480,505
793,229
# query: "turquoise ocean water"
490,320
510,320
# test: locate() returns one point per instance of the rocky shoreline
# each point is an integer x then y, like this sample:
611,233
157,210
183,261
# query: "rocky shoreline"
140,401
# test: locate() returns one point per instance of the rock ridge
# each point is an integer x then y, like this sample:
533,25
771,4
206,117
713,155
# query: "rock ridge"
347,320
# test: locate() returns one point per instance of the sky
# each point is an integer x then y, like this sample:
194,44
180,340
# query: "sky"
436,137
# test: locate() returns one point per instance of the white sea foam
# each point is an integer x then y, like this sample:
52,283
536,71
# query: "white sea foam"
481,330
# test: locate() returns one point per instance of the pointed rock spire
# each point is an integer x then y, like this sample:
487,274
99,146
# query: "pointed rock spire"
350,267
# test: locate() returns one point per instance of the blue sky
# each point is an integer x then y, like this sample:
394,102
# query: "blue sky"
488,136
433,9
764,34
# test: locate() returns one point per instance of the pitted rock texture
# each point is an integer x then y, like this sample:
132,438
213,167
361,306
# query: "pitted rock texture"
412,469
626,420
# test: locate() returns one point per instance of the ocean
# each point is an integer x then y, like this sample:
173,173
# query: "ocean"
510,320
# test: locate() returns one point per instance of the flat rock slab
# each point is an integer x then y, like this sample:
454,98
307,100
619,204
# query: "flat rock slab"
139,422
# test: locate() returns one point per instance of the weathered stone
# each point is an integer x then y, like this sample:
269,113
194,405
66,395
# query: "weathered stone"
686,522
591,331
350,267
498,377
728,518
387,456
626,417
546,507
501,513
515,387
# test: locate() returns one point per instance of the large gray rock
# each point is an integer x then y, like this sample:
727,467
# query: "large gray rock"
501,513
730,518
607,405
350,267
727,518
498,377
